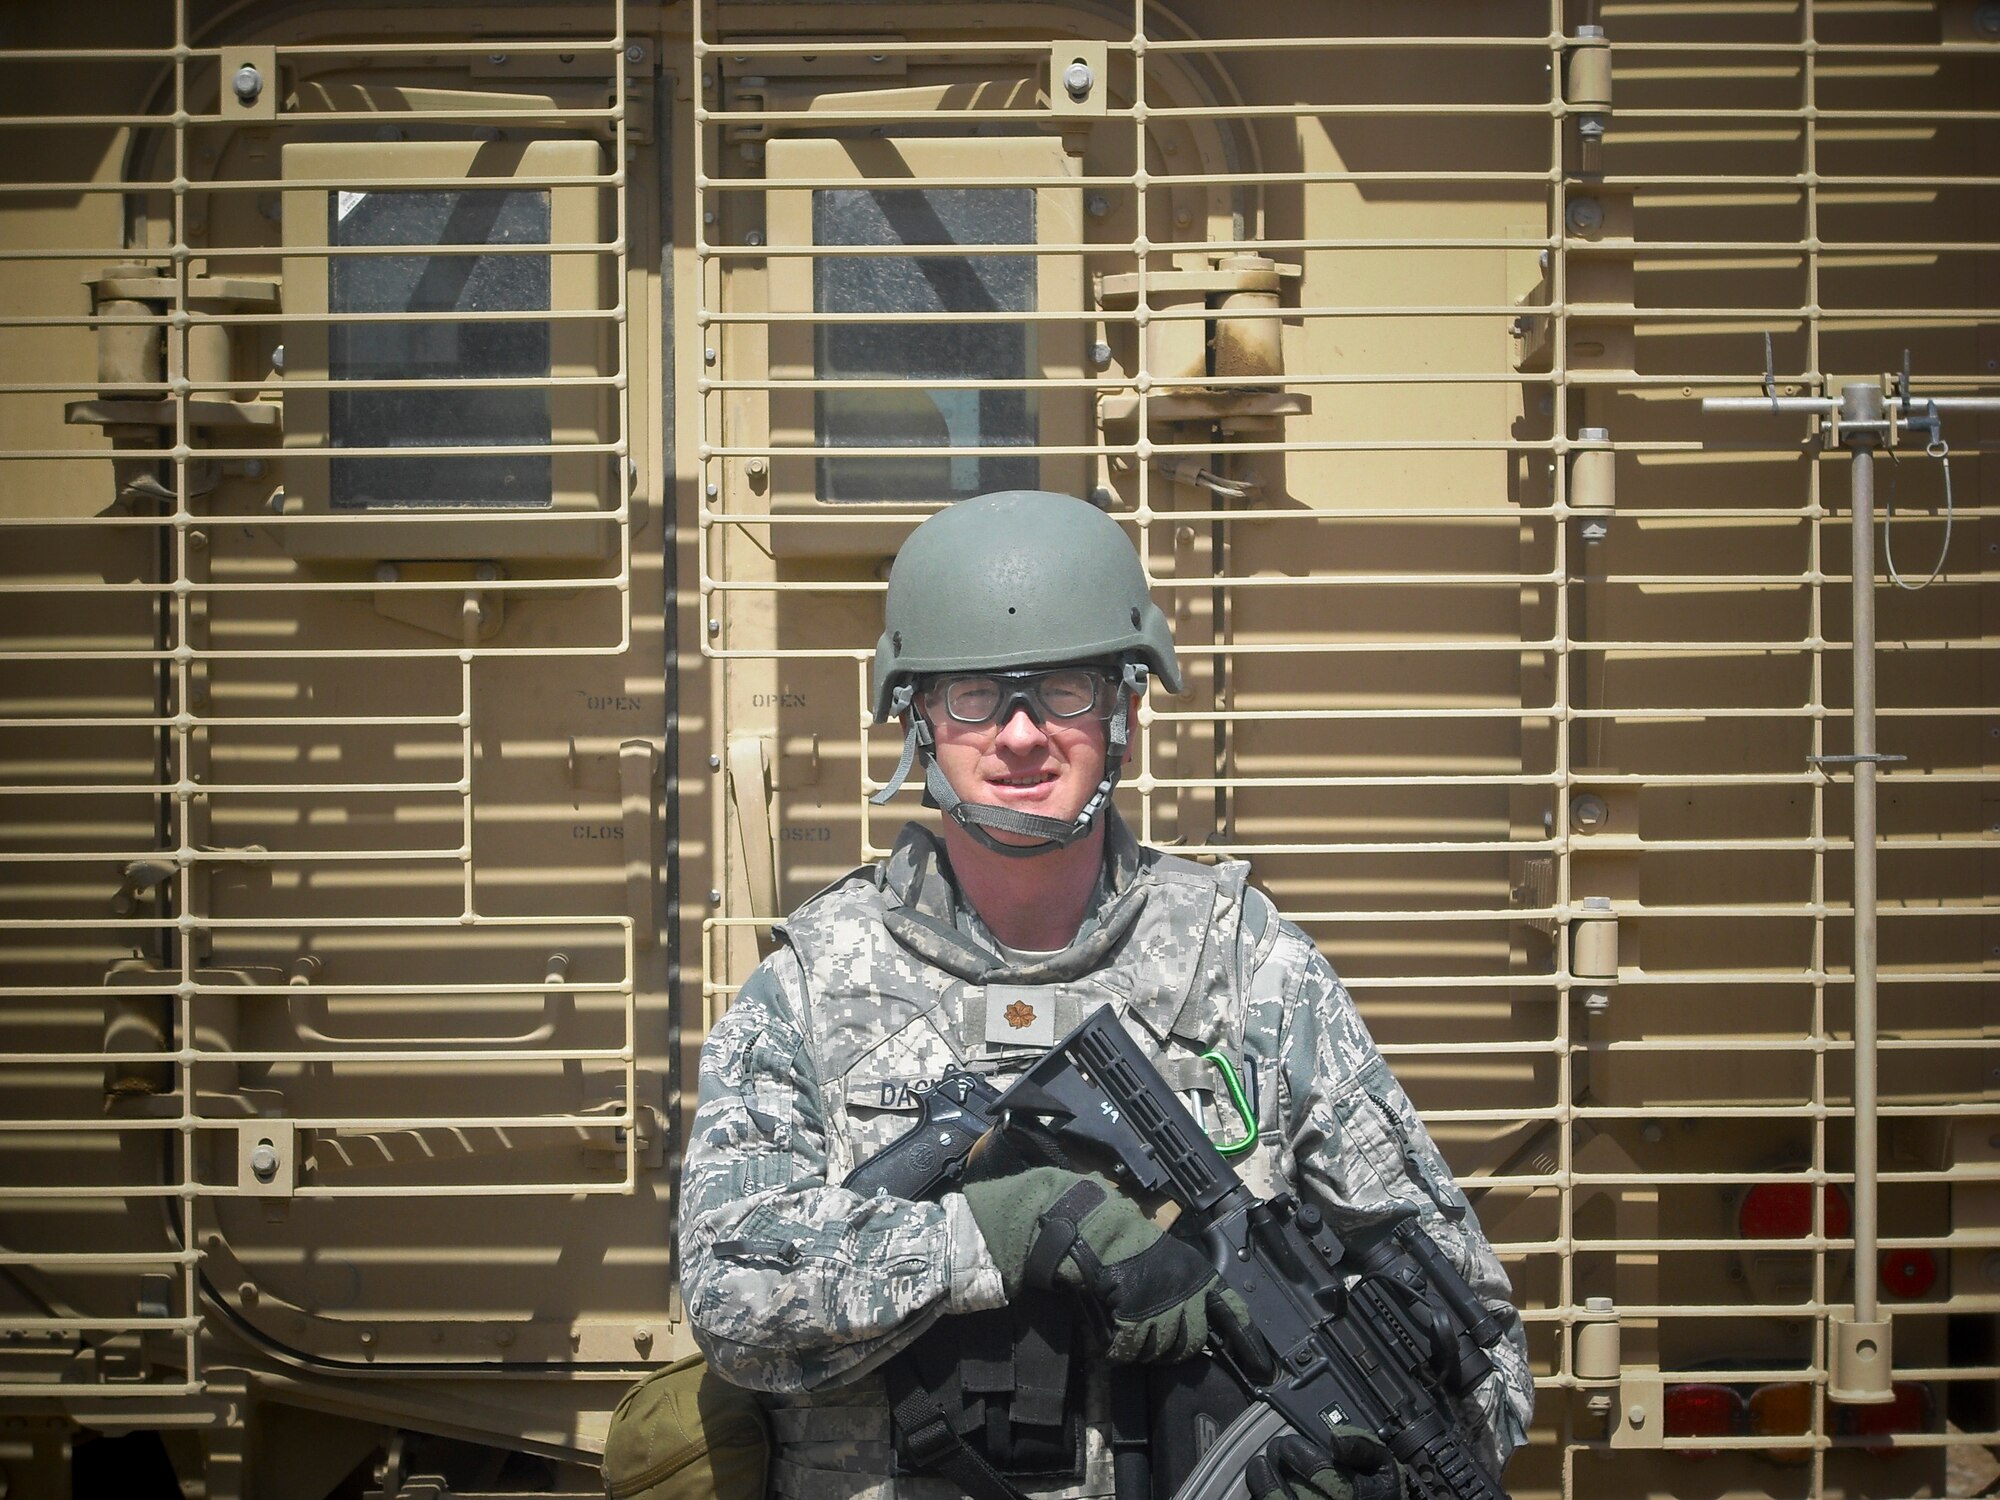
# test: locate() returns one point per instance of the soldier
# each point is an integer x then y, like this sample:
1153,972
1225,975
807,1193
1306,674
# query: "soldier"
1019,640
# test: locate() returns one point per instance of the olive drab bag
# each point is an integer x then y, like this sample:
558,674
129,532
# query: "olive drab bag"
684,1433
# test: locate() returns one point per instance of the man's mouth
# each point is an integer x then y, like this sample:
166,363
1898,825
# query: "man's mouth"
1032,778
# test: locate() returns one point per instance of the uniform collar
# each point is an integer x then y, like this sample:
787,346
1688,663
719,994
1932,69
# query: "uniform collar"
927,914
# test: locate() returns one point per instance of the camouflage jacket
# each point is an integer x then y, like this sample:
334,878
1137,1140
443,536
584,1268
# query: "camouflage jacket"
800,1289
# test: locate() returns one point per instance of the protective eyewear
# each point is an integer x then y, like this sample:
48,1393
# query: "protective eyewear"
1065,693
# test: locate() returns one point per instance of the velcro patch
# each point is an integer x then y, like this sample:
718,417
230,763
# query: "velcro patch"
1021,1015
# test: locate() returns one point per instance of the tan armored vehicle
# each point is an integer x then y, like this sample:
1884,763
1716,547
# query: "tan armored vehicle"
449,456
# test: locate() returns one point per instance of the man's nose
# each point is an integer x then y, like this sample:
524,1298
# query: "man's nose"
1019,732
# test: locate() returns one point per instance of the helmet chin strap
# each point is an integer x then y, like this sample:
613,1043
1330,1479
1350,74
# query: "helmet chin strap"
976,818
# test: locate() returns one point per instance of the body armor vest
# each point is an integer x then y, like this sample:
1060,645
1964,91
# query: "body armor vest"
896,995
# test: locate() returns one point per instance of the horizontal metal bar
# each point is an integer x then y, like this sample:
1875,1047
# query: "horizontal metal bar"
17,1324
350,1053
71,1392
182,983
63,1259
181,586
98,1125
242,789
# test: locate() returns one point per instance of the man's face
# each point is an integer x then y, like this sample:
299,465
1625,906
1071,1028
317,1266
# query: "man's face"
1050,768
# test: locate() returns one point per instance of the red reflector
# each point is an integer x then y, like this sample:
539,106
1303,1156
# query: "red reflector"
1909,1410
1783,1211
1908,1273
1697,1410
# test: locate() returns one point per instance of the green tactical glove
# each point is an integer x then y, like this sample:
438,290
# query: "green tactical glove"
1354,1465
1048,1227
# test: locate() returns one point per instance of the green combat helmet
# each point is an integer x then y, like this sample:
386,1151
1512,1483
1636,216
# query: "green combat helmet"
1016,580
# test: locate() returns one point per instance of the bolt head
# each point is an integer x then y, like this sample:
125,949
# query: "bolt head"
248,84
1097,205
1100,353
1079,80
1585,215
1588,812
635,53
264,1161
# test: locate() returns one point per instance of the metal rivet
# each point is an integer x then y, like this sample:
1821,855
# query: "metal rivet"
714,898
715,763
1097,205
753,237
248,84
715,627
708,356
635,53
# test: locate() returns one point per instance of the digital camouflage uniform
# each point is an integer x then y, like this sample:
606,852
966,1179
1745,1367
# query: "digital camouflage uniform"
800,1289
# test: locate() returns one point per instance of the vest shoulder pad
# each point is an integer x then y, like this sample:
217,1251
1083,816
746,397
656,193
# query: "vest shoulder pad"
833,898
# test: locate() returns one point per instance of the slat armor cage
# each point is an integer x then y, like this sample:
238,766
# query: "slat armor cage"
450,458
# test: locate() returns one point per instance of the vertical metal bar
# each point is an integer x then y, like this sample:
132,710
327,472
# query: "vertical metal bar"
1562,704
1815,487
1862,526
1861,1352
468,909
1142,458
182,1150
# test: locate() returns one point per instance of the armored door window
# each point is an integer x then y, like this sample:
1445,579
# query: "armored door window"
417,330
448,413
941,376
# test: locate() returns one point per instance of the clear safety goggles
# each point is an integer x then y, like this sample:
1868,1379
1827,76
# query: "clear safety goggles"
1062,693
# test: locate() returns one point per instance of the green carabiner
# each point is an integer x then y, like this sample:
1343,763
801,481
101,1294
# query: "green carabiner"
1243,1111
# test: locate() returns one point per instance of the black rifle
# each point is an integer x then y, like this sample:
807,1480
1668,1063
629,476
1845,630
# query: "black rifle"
1378,1336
